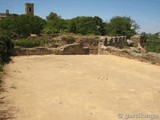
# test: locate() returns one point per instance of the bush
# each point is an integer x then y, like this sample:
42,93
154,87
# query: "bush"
6,45
26,43
153,46
68,39
23,25
30,43
1,69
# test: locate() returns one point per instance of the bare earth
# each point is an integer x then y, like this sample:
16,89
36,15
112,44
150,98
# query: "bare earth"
81,87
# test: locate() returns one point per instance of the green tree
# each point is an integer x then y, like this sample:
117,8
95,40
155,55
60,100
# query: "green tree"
154,37
28,24
8,23
55,26
121,26
86,25
53,16
23,25
72,26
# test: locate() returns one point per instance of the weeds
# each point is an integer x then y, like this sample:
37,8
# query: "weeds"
68,39
153,46
30,43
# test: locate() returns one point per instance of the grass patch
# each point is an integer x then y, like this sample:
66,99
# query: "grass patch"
30,43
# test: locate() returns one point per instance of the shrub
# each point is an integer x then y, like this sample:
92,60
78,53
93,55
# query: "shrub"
68,39
30,43
26,43
153,46
1,69
6,45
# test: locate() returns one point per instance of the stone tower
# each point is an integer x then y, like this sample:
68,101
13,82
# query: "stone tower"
29,8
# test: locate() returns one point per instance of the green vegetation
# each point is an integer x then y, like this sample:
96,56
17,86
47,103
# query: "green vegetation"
117,26
153,42
153,46
69,39
24,25
30,43
1,68
121,26
55,26
53,16
6,45
86,25
21,26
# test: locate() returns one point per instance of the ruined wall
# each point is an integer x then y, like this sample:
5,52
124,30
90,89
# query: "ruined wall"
70,49
118,42
74,49
86,45
91,43
94,43
33,51
152,58
2,16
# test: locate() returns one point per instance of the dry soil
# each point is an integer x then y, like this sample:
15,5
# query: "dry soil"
81,87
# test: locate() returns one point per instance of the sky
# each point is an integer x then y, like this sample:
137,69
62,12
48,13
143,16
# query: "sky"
145,12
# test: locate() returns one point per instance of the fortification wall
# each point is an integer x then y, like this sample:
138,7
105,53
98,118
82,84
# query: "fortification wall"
94,43
91,43
118,42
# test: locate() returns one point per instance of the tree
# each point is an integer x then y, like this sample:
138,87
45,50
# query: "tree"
55,26
86,25
53,16
23,25
8,23
154,37
119,26
29,24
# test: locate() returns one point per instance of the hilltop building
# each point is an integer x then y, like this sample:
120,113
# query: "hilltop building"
29,10
4,15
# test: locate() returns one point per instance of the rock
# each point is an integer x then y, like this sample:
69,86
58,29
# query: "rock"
130,43
74,49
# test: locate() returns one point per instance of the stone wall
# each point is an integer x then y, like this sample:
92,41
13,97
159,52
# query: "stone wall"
118,42
74,49
153,58
83,46
34,51
91,43
70,49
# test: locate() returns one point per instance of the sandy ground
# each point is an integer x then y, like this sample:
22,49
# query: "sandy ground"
81,87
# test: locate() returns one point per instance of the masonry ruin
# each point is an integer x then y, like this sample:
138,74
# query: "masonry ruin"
83,46
29,10
6,14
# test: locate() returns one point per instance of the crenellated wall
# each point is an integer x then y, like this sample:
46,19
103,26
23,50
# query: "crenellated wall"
118,42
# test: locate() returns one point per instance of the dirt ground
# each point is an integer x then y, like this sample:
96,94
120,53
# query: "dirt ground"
81,87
